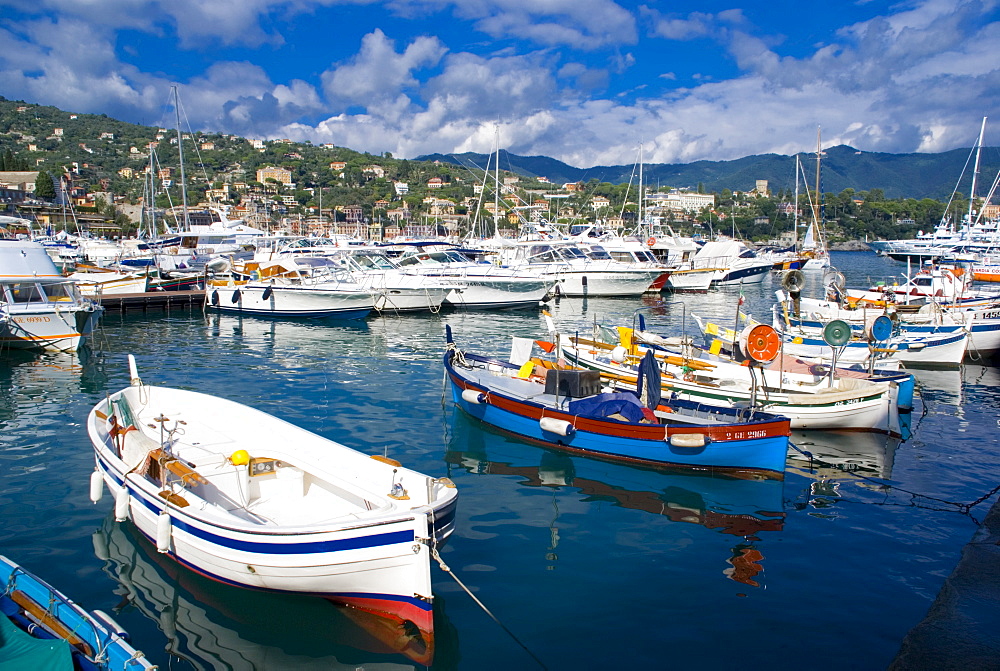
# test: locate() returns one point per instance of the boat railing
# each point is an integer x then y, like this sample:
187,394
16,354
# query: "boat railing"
46,612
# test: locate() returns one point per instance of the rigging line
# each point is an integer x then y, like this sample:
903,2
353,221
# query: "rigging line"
963,507
447,569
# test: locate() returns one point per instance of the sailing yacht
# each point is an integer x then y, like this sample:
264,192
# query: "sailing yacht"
814,243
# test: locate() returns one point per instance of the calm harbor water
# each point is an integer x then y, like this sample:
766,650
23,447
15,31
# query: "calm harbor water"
590,565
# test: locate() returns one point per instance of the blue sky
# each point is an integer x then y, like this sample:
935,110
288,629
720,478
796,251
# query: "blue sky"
583,81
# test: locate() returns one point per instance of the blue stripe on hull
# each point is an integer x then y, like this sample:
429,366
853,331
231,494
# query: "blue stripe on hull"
396,598
443,519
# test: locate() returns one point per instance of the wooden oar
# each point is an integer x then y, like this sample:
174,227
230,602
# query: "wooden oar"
50,622
694,364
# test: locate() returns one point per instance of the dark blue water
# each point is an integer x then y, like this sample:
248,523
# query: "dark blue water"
589,565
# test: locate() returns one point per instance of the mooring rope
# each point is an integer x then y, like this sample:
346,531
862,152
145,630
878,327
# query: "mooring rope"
447,569
964,508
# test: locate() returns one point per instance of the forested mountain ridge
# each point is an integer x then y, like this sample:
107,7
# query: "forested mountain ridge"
896,175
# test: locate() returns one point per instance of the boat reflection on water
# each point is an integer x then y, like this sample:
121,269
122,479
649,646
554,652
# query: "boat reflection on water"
743,506
832,453
215,626
938,385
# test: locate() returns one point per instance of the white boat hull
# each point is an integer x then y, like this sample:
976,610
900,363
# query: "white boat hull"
39,308
584,283
948,350
267,300
691,280
303,527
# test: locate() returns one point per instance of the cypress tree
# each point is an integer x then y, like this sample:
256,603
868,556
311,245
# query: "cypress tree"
44,187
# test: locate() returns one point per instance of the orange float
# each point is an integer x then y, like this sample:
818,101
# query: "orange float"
761,343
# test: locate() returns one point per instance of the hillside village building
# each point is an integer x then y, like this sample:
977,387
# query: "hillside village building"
280,175
681,201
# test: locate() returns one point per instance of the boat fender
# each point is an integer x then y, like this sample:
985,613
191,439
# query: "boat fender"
239,458
236,296
474,396
688,440
163,532
618,354
215,298
168,623
110,623
101,546
121,504
560,427
96,486
267,293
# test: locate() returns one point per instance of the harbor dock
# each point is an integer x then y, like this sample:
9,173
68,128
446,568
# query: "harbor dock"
155,300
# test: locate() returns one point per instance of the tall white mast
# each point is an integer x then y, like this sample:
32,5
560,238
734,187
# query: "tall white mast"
180,153
642,224
795,210
496,186
975,170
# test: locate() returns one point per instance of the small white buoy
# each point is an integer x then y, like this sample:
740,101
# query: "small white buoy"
163,530
121,504
96,486
560,427
618,354
473,396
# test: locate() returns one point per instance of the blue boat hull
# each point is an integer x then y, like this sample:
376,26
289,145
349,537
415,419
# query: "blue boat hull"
758,445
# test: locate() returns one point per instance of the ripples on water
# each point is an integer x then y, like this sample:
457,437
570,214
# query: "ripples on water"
591,565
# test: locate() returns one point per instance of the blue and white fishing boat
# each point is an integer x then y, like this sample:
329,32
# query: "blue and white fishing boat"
944,348
810,399
568,410
41,628
981,321
248,499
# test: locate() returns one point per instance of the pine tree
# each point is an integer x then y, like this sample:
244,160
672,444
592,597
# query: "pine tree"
44,187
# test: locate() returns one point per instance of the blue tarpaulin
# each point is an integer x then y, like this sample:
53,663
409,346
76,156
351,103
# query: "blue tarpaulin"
649,381
19,651
624,403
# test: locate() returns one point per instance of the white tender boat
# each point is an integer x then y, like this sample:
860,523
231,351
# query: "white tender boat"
248,499
39,308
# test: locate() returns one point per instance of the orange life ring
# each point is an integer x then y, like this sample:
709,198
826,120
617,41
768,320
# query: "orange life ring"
651,242
763,343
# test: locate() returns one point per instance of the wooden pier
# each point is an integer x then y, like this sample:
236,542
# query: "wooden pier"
152,300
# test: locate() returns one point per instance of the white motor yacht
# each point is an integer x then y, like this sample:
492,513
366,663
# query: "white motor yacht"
39,308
